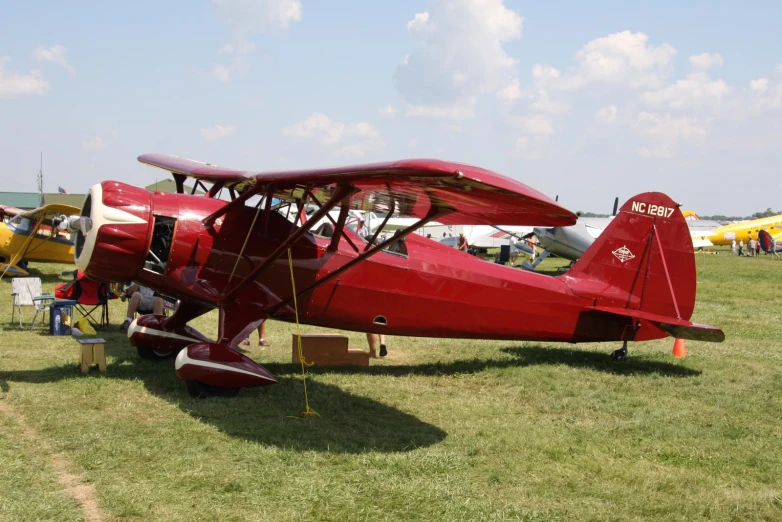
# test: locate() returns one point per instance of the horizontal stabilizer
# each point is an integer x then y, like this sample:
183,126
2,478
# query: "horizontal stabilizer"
694,332
678,328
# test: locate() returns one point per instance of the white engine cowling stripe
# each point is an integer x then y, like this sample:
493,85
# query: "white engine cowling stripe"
134,327
182,359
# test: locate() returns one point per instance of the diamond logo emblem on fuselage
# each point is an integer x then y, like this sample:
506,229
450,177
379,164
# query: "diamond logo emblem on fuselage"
623,254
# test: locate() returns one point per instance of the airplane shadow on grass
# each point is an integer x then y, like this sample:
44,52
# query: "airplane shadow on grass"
271,415
348,423
522,356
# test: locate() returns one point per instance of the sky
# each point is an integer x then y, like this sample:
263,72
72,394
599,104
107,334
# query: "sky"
582,100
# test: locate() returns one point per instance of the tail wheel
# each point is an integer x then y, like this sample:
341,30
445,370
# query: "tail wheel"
199,390
154,354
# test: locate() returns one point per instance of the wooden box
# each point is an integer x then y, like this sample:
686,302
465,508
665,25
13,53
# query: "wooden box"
327,350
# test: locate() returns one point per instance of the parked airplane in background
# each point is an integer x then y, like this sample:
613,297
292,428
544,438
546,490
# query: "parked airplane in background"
34,235
571,242
743,230
636,283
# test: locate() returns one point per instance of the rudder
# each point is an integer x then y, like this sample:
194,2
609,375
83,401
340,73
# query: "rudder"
642,261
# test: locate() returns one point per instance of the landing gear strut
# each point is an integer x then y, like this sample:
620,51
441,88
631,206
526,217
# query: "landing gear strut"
621,354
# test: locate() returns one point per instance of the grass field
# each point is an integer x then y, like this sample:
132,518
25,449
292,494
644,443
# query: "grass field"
439,430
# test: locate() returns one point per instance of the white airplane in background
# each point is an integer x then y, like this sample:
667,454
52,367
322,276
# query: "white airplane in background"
571,242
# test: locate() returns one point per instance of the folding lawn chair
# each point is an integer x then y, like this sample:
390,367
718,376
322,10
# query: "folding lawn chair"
26,291
92,297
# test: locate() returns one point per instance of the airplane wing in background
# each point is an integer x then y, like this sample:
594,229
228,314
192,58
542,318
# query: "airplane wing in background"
466,195
48,211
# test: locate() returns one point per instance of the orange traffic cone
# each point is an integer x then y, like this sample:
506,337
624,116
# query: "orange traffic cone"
678,349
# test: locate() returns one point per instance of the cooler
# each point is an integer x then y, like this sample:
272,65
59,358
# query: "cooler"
61,317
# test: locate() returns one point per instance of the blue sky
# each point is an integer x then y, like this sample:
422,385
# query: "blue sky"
585,100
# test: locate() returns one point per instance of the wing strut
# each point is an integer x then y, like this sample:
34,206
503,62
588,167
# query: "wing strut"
434,213
341,192
382,225
238,202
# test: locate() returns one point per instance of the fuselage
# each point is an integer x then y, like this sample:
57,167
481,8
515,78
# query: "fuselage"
429,290
41,247
746,229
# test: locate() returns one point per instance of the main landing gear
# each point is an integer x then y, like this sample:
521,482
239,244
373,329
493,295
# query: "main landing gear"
621,354
155,354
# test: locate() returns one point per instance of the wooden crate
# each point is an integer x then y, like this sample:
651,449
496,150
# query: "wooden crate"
327,350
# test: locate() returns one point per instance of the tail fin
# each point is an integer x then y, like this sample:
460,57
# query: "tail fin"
765,241
642,267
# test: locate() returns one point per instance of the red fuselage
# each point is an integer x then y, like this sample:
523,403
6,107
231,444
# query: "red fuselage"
433,290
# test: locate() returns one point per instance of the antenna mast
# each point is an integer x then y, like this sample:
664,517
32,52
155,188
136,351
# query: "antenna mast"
40,179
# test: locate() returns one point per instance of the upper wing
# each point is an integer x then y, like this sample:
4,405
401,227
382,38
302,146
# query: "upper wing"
47,211
413,187
9,211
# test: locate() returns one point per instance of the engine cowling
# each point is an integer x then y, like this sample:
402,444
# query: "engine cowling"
115,231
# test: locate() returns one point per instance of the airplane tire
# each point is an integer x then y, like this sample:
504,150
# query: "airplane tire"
619,355
199,390
153,354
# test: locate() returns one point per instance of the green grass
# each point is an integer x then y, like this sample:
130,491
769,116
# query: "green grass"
439,430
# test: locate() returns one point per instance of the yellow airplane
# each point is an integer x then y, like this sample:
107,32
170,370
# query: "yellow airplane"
34,235
724,235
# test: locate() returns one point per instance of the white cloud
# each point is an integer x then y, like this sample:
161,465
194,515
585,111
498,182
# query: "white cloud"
354,139
510,92
665,126
456,111
529,147
705,61
666,133
327,131
13,84
759,86
388,111
218,132
657,152
361,148
534,124
248,16
606,115
243,18
693,92
55,54
542,102
544,73
96,143
623,59
458,55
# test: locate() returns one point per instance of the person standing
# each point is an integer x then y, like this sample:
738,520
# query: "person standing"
751,247
463,245
262,342
733,248
374,340
774,247
741,247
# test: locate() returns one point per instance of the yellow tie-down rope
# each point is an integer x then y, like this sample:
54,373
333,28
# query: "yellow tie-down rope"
307,411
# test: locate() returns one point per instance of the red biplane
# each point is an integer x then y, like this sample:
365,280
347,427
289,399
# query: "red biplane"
636,282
